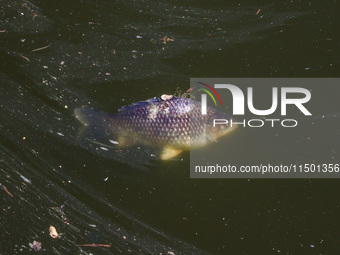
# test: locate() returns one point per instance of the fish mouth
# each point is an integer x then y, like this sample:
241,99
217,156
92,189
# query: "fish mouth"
223,130
230,128
220,125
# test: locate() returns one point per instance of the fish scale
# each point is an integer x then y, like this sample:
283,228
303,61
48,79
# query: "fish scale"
162,122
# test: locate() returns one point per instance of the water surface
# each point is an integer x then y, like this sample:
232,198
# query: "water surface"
60,55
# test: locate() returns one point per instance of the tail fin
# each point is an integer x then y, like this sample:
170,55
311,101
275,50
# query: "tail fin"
86,116
96,123
92,117
99,135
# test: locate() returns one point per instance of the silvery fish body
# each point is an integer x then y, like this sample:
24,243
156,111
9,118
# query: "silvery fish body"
173,123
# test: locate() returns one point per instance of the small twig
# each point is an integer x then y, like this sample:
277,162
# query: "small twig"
42,48
133,27
95,245
176,91
5,189
25,58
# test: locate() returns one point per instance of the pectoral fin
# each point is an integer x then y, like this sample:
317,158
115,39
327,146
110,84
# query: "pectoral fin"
169,153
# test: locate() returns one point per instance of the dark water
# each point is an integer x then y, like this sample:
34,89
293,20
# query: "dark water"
60,55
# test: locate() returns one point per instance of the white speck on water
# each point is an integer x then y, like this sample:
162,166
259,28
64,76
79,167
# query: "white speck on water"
106,179
61,134
139,37
25,179
104,149
113,142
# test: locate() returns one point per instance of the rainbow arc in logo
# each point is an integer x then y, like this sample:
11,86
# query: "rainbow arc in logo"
209,93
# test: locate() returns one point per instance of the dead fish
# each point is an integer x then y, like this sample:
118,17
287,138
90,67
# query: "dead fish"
171,123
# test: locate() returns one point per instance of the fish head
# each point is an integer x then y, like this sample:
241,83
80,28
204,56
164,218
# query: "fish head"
218,124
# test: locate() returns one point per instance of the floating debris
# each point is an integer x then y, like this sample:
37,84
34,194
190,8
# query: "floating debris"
189,90
166,39
35,245
5,189
133,27
94,23
53,232
95,245
25,58
60,211
25,179
166,97
258,12
42,48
